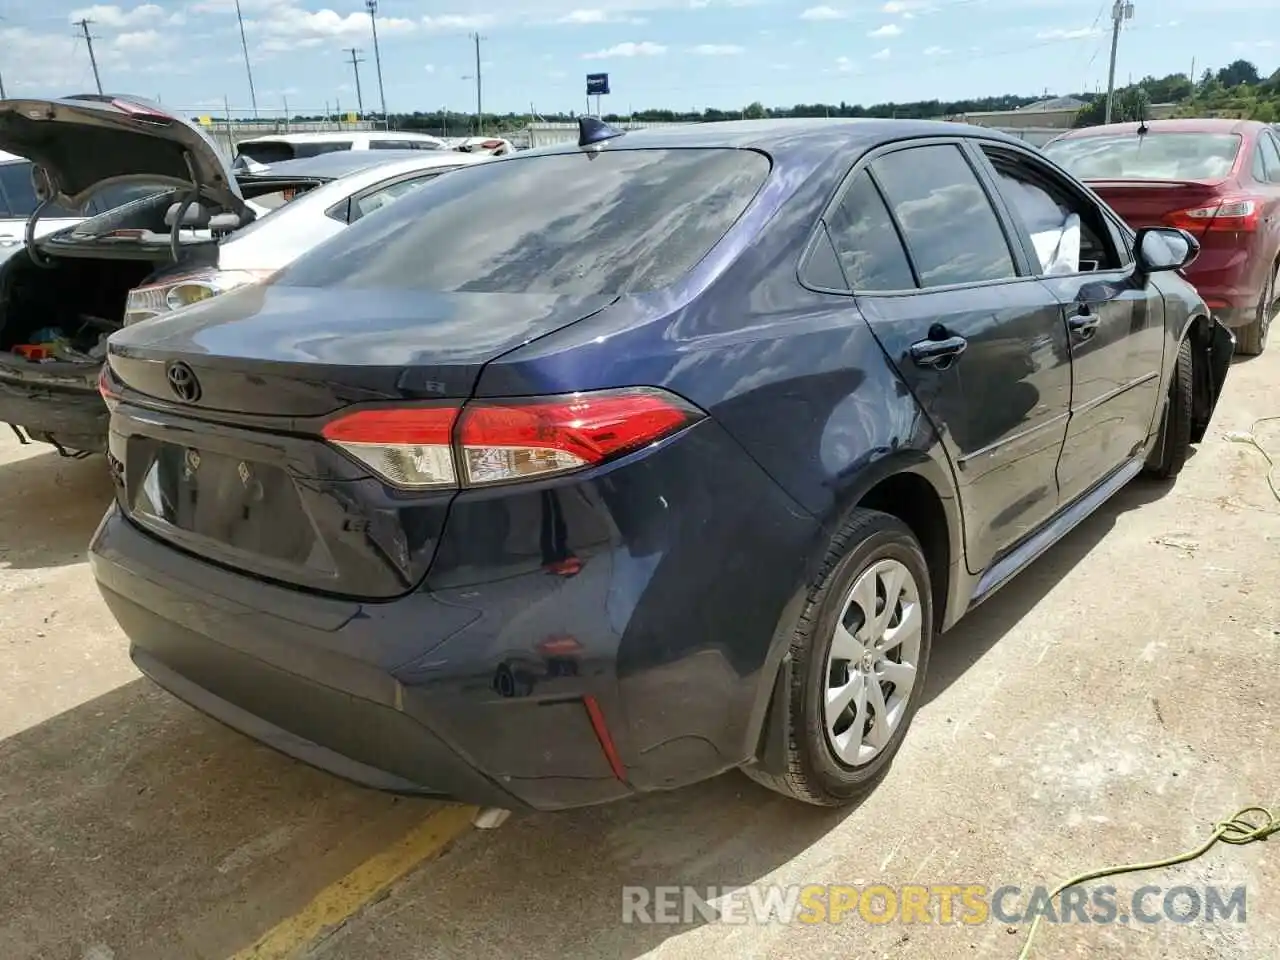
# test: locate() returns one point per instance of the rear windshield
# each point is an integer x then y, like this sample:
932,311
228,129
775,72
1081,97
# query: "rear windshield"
274,151
623,221
1154,156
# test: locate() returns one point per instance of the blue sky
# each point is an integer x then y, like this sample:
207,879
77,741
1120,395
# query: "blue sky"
681,54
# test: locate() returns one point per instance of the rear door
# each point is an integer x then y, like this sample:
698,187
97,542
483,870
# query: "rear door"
1114,319
983,348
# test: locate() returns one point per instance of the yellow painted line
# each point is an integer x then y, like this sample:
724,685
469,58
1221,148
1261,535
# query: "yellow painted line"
342,899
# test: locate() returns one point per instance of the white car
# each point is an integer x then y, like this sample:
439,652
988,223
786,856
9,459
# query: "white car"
198,231
277,147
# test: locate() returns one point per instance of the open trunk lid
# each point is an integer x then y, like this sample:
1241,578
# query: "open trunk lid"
1146,203
80,144
218,411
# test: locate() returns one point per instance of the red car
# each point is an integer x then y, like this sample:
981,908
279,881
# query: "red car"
1218,179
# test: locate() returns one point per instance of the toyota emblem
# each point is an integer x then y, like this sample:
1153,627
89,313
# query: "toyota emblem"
183,382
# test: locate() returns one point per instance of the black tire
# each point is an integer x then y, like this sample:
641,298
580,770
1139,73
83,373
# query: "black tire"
1252,340
814,774
1175,426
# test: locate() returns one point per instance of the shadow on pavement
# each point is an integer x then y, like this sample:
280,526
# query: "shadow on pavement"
133,827
50,508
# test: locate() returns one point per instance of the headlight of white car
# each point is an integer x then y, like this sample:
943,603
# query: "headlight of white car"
175,292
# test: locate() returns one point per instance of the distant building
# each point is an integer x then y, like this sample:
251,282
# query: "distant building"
1056,113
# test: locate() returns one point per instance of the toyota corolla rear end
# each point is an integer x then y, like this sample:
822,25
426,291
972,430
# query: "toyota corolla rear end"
1192,174
330,534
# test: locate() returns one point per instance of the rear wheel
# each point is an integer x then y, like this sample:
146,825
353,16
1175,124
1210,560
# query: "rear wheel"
1175,427
1251,340
859,657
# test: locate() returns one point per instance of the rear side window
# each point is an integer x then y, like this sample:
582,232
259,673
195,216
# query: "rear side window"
18,194
950,227
867,242
624,221
1153,156
1270,154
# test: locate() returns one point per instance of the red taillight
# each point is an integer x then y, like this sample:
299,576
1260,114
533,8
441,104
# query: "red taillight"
410,446
511,441
104,385
502,441
1233,214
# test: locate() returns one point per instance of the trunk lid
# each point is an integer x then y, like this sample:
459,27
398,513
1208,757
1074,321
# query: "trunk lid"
235,470
1146,203
85,142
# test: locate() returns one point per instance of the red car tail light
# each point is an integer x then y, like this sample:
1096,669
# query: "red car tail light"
490,442
1234,214
520,440
409,446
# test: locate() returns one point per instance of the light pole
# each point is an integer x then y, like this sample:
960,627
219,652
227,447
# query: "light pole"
1120,12
479,99
244,45
372,5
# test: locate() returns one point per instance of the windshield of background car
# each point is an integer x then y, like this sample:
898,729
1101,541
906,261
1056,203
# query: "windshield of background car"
274,151
626,221
1153,156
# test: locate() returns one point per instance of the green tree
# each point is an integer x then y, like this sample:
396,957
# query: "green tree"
1238,72
754,111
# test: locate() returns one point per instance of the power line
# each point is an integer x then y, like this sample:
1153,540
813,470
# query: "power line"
356,60
84,26
377,55
244,45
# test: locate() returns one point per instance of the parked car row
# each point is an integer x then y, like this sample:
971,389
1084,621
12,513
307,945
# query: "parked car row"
149,247
607,467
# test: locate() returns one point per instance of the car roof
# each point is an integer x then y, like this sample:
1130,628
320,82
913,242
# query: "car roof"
328,136
9,157
342,163
1183,125
787,136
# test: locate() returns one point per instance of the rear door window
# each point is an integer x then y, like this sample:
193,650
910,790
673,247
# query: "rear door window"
621,221
867,242
1270,152
951,230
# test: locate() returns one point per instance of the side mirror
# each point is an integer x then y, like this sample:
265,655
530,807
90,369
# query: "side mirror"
1161,249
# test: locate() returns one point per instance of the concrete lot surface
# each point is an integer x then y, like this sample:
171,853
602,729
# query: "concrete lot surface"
1109,705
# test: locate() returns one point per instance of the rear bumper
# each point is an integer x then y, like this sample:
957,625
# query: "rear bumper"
485,685
74,416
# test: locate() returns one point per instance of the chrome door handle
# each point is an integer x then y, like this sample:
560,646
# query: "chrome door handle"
1084,323
938,354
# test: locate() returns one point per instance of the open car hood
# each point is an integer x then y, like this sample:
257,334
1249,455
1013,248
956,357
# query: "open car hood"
82,143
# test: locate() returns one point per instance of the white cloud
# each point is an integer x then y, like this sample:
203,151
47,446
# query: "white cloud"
642,49
1078,34
718,49
452,21
824,13
114,17
429,67
844,65
138,40
594,16
906,7
935,51
888,30
881,54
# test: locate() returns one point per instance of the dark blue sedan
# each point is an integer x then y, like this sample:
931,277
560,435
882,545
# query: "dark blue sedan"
606,468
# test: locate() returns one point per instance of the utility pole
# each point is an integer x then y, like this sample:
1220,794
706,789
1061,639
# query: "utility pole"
84,26
1121,11
244,45
479,98
377,55
356,60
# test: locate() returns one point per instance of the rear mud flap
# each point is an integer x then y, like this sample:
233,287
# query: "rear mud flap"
1215,344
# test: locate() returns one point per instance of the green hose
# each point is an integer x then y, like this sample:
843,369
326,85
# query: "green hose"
1240,829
